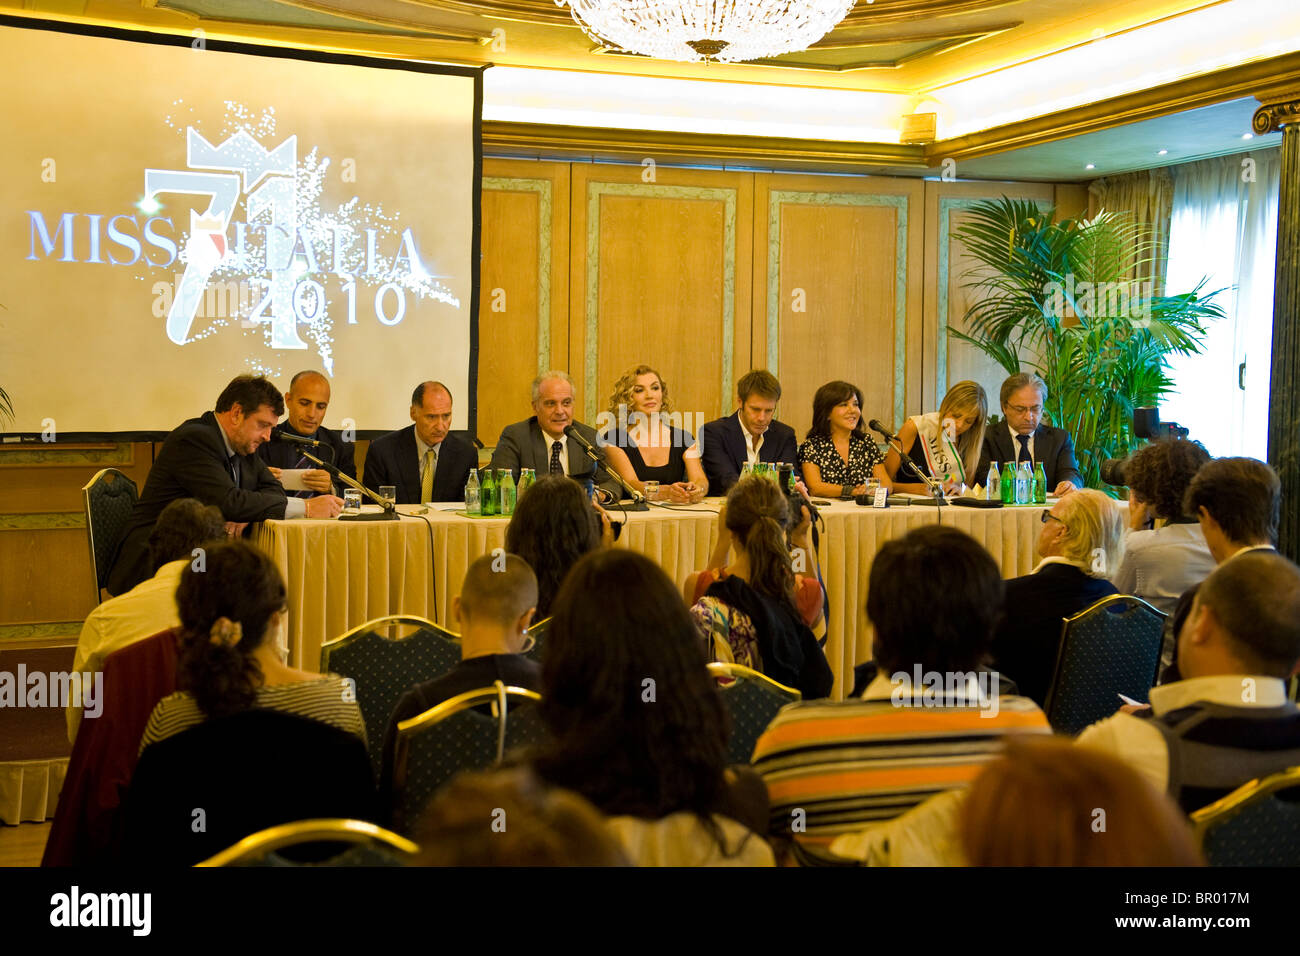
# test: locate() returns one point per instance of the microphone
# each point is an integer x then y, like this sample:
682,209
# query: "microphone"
875,426
638,499
278,434
571,432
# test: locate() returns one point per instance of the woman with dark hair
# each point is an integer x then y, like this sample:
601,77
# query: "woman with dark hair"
1165,552
756,610
636,723
553,526
837,458
233,650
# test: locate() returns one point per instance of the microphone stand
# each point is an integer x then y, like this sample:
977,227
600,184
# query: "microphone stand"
639,502
936,489
388,514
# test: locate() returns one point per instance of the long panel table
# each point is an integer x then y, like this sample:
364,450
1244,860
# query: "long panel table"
342,574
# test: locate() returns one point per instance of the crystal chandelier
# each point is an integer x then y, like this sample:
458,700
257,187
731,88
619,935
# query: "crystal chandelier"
728,31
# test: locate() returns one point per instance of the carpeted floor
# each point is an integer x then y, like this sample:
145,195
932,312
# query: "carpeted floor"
32,733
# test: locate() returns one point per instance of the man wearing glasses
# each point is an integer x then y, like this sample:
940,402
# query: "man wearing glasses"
1023,438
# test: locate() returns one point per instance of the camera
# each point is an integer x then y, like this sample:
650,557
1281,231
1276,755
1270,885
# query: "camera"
1146,424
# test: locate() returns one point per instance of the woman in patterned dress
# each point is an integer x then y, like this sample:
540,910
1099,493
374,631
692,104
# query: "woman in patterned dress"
837,458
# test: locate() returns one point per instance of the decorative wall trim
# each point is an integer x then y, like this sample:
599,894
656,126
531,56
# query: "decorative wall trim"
49,630
545,235
779,197
595,190
43,521
119,453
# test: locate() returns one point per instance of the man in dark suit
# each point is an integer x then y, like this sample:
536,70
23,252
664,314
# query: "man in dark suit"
750,435
424,461
1021,438
540,443
305,403
213,458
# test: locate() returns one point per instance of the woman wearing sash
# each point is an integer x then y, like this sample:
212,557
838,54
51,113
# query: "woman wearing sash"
944,444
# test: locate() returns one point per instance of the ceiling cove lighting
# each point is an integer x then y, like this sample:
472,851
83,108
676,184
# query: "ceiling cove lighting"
725,31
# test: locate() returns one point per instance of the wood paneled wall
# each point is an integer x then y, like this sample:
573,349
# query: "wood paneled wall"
593,268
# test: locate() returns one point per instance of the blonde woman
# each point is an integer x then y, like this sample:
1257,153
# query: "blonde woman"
944,444
642,446
1081,543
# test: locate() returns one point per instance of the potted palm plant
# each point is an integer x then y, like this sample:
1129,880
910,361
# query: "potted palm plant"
1056,298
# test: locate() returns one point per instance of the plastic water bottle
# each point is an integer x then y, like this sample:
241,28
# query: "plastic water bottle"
1024,481
1007,486
508,492
488,494
1040,485
472,503
993,483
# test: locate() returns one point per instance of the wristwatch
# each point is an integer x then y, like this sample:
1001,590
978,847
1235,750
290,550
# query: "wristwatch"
846,492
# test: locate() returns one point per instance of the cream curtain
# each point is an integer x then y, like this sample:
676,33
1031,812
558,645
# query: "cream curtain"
1146,199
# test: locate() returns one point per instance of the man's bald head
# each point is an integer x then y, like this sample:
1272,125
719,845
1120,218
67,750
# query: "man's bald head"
498,589
306,401
431,411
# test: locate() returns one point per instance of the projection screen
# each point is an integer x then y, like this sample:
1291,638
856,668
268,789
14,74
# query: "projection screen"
179,211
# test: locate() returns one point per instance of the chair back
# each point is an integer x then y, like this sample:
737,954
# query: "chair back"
537,632
1258,824
109,498
459,735
1110,648
385,658
752,700
364,844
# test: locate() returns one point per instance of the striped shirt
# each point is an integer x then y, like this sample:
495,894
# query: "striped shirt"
835,767
327,699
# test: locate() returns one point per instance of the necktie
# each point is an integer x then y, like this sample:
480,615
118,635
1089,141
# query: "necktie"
234,468
1024,449
556,468
426,477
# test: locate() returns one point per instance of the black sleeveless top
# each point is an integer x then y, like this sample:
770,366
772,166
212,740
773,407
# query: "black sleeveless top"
917,454
671,473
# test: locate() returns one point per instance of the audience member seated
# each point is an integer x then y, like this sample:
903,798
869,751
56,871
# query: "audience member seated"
510,818
750,435
644,445
637,726
233,650
1043,802
945,445
150,606
493,610
1165,552
554,525
1049,803
927,722
837,459
1228,721
1238,502
754,612
214,458
1080,543
1023,437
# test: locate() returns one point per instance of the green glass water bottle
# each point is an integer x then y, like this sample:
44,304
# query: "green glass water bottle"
1040,485
488,494
1008,488
506,484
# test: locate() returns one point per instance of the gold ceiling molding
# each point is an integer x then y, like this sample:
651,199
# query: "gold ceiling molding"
413,29
1278,108
1205,90
544,141
863,14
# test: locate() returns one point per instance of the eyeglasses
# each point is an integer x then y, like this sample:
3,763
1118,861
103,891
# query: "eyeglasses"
1047,513
1026,409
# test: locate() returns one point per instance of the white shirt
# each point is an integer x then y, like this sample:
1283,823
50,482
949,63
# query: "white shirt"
1015,444
1159,565
294,507
1140,744
752,444
564,454
141,612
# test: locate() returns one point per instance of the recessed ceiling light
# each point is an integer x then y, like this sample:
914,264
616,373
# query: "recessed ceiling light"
1090,166
1247,135
1162,152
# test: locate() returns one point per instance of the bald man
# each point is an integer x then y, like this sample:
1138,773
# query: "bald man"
423,461
305,404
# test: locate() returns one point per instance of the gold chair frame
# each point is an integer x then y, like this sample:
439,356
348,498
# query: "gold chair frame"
1225,808
1096,605
390,620
718,669
497,695
307,831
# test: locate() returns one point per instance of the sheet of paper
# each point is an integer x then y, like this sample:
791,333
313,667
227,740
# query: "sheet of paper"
291,478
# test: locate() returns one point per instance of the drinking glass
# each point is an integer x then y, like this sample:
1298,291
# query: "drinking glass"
388,493
351,501
651,490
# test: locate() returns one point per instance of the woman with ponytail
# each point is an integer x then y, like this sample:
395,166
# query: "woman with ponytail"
233,650
756,610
